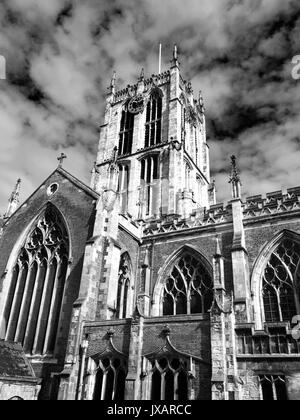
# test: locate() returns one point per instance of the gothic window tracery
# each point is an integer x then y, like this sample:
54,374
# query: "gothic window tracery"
280,289
188,289
124,283
150,184
153,126
35,297
169,379
110,379
126,133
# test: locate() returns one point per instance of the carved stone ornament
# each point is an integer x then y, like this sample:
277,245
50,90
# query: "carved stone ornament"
191,116
136,105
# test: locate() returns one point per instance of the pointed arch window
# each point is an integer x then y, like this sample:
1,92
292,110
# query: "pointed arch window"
188,289
124,284
110,379
35,297
188,176
169,379
126,132
150,174
153,128
281,283
200,186
123,187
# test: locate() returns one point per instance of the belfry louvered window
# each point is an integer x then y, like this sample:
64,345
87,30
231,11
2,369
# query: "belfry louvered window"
169,379
37,286
188,289
280,286
153,126
110,380
123,298
126,133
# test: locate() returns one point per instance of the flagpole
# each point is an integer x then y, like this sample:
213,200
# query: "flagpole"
159,60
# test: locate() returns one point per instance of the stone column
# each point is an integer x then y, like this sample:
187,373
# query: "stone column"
240,265
133,380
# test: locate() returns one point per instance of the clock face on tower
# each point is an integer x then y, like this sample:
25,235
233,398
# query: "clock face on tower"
136,104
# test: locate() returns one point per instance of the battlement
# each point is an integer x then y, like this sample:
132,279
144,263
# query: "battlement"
256,206
273,203
130,90
200,218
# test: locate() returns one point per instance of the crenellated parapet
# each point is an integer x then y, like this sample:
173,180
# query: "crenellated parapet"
274,203
131,90
217,214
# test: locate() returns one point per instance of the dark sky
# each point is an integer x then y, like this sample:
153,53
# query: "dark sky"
61,54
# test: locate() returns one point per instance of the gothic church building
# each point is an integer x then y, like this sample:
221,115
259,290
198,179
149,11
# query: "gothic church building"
140,286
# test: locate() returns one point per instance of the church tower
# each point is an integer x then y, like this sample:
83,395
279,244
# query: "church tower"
155,130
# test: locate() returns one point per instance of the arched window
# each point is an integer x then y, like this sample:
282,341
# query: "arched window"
280,285
34,302
123,187
126,133
199,189
153,119
123,298
169,379
273,388
150,185
110,380
188,289
188,176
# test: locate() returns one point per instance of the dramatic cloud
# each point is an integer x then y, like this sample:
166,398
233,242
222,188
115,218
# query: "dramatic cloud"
60,56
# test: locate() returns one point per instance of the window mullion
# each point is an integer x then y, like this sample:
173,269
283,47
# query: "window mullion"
274,389
163,386
44,296
121,301
51,314
33,304
104,385
188,299
14,315
176,390
114,384
25,300
279,305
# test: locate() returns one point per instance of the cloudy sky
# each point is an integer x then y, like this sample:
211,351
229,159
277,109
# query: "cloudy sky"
60,55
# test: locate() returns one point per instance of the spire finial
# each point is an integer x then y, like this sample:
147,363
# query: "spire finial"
112,87
142,75
201,102
13,201
61,159
235,179
175,52
115,154
174,61
218,252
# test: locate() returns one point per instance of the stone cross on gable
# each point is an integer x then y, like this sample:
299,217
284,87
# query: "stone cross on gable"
61,159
